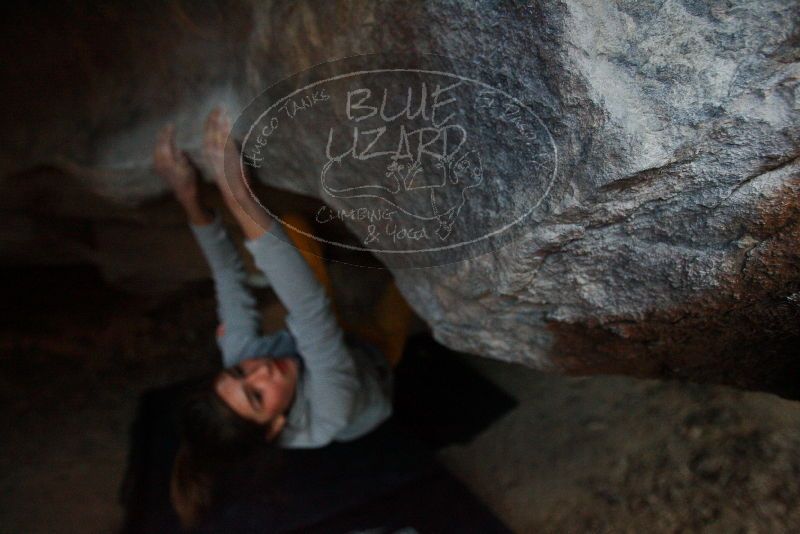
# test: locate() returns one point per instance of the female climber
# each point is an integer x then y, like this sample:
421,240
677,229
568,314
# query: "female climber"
303,386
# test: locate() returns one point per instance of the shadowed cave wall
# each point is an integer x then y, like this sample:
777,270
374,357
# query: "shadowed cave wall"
667,246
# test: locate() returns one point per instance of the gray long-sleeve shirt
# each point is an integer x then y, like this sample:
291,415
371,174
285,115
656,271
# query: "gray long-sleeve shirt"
344,387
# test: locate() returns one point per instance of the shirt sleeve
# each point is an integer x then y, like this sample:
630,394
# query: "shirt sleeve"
330,381
236,306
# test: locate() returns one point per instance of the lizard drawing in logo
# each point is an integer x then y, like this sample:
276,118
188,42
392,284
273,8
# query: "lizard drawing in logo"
436,195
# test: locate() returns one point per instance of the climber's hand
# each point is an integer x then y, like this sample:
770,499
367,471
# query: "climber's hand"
232,179
222,156
174,166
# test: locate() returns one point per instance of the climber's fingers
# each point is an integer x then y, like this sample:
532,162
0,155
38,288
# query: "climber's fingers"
217,128
164,151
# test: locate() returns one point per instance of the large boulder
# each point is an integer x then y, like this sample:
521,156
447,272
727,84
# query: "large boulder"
667,238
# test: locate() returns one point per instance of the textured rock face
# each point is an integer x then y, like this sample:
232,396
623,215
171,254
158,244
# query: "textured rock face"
668,244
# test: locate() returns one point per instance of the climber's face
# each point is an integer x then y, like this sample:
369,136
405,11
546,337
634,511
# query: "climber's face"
259,389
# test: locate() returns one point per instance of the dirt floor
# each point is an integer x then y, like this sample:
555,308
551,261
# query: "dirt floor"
614,454
606,454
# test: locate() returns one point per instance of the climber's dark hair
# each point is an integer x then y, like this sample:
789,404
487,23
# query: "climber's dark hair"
214,439
212,427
